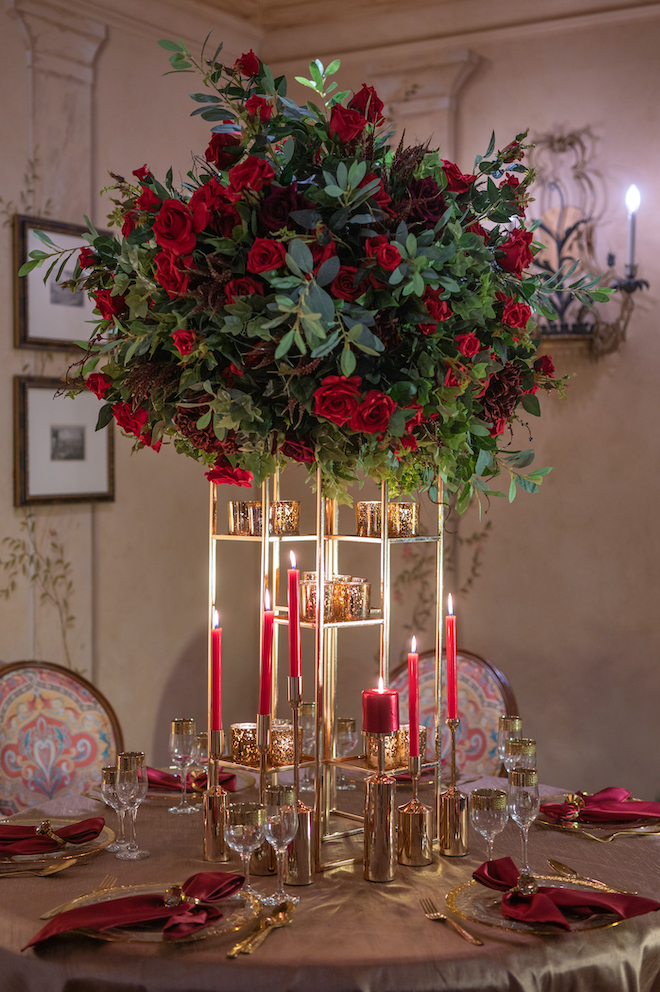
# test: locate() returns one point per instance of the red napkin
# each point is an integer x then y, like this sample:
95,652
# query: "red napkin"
165,780
22,839
178,921
545,906
608,806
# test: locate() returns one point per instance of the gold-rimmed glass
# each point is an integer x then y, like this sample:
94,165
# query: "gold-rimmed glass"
523,804
520,752
109,793
509,727
183,748
131,783
489,814
245,826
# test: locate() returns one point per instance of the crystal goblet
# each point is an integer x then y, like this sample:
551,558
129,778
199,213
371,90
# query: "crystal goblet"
183,746
489,814
109,793
281,827
131,784
523,803
244,832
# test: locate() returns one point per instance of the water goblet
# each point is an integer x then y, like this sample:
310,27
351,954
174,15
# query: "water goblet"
510,726
308,726
281,827
519,752
182,752
244,832
347,739
523,803
489,814
109,793
131,784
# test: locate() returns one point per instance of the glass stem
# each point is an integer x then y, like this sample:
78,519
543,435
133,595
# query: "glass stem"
184,783
525,869
121,836
281,857
490,840
245,858
132,842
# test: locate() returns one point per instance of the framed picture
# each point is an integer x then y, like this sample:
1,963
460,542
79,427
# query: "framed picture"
48,316
58,456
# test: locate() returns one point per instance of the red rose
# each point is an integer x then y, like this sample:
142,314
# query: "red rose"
87,257
457,181
132,422
174,227
517,254
223,473
184,341
321,253
298,450
259,107
170,272
130,218
219,151
248,64
382,198
451,379
336,399
265,255
427,328
109,305
476,228
439,309
498,427
516,314
143,172
513,152
416,419
343,285
210,206
545,366
510,180
468,344
252,173
373,414
242,286
427,204
387,255
409,443
148,201
276,207
367,102
346,125
98,383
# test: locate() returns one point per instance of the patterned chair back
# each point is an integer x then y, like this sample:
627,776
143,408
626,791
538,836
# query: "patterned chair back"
56,733
484,694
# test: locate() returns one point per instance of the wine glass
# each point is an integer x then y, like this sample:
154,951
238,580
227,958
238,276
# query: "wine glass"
182,752
347,739
201,755
308,726
245,826
281,827
523,803
510,726
131,784
489,814
109,793
519,752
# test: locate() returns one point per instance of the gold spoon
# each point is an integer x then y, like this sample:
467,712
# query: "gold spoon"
568,872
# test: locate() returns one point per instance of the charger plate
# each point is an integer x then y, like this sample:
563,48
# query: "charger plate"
479,904
645,824
237,910
64,853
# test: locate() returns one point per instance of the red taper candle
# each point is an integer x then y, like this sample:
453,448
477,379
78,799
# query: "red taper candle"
215,709
293,575
452,684
266,657
380,710
413,699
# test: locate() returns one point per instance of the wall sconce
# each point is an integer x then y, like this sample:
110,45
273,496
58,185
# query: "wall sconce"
630,284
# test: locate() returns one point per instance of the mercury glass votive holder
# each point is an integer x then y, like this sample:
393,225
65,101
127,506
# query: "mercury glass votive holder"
390,749
404,743
403,519
244,750
244,517
367,518
352,600
284,516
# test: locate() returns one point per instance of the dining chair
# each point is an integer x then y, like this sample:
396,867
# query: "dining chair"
56,733
484,694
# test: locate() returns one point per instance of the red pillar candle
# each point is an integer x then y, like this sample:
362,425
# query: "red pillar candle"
380,710
452,685
266,657
413,699
293,575
215,709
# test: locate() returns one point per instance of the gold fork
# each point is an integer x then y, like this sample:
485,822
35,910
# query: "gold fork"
51,869
431,913
104,885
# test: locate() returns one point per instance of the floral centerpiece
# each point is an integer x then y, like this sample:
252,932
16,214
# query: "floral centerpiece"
310,293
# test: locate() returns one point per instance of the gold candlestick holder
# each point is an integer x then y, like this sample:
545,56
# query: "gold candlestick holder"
300,867
453,808
380,831
214,807
415,824
263,859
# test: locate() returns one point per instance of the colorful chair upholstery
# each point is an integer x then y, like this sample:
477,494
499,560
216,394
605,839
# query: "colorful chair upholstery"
484,694
56,733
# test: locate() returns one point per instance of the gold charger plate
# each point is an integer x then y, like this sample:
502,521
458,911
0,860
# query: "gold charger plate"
479,904
237,910
645,825
65,853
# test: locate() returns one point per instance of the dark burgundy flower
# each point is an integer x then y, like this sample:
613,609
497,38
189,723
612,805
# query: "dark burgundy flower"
476,228
211,207
373,414
382,198
276,207
343,285
219,151
265,254
186,420
457,181
337,398
504,390
545,366
247,64
184,341
346,125
257,106
99,383
367,102
427,204
223,473
298,450
242,286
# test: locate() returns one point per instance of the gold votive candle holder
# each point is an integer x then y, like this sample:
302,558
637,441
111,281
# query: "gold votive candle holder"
403,519
390,750
404,743
284,516
244,517
367,518
346,598
244,750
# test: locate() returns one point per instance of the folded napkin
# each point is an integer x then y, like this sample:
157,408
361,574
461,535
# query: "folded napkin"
608,806
176,921
21,839
197,782
546,905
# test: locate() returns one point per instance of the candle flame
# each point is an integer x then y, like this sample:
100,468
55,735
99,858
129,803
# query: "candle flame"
293,559
380,683
633,199
216,618
450,605
413,645
266,600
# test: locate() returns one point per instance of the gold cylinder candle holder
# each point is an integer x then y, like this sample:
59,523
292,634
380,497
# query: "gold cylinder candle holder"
403,756
244,517
300,862
391,750
245,749
284,517
403,519
214,808
367,518
415,827
453,809
380,827
347,597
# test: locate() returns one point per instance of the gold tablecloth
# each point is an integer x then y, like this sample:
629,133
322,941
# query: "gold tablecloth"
348,935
